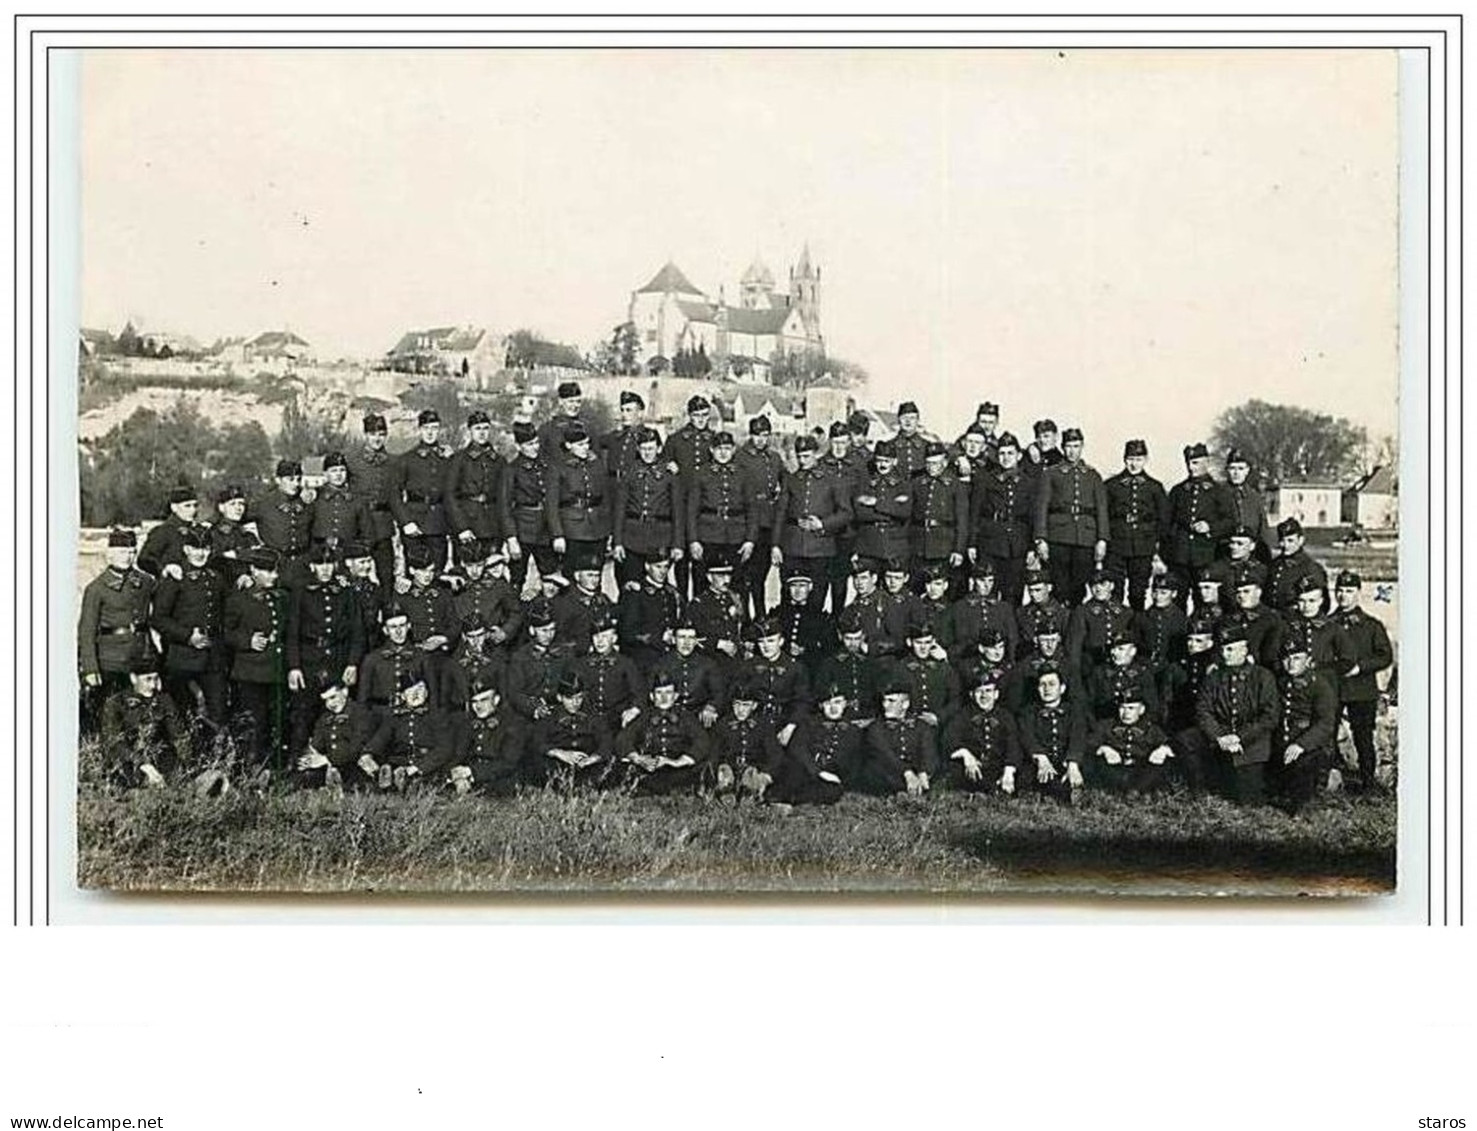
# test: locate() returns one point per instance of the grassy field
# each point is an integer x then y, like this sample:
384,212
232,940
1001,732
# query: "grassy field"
550,841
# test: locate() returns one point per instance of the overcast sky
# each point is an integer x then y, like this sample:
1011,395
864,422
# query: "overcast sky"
1127,241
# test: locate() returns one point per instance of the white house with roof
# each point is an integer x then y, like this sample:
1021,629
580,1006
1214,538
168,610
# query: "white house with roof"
1311,502
1373,502
457,351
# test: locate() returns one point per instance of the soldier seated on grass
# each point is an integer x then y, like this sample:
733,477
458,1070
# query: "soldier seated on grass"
665,750
745,752
1130,753
414,747
338,753
571,745
489,755
981,742
822,753
1053,733
146,742
900,751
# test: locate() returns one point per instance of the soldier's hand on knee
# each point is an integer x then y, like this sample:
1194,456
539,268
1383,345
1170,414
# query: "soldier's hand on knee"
1045,771
92,679
1074,775
560,545
295,680
1007,780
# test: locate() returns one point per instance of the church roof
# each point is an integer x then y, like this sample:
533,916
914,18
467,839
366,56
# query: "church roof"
758,273
803,267
670,279
743,321
697,311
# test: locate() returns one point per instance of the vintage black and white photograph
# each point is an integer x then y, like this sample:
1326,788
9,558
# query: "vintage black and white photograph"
738,470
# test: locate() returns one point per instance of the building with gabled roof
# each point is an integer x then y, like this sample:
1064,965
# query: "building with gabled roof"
280,346
457,351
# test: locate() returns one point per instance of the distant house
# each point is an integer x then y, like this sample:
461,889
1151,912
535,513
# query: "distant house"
276,348
453,351
93,342
1372,502
1312,503
167,343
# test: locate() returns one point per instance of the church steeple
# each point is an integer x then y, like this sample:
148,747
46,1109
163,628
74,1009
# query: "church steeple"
805,290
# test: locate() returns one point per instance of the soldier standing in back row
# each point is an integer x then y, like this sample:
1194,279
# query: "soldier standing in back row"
1137,509
340,516
811,509
1359,693
284,522
722,520
187,616
849,467
521,500
910,442
112,630
649,510
369,476
763,468
1071,520
940,516
690,448
566,416
618,447
1199,516
472,478
229,537
256,627
165,544
417,489
578,499
1003,516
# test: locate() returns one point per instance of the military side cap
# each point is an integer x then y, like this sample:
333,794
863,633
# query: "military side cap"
1044,427
805,444
768,626
864,564
590,562
898,565
839,428
329,685
603,621
895,682
1047,628
936,571
354,550
760,426
1235,455
745,690
982,567
920,627
698,404
1232,633
289,467
322,554
849,622
229,492
375,423
1242,531
1307,584
523,432
988,408
1244,578
418,555
472,550
859,422
540,613
1119,636
395,611
832,690
645,435
723,440
570,684
1195,451
1201,624
1135,448
991,638
1289,526
1072,435
1007,440
263,557
1037,577
481,686
1165,581
662,679
568,390
1128,695
334,459
474,623
477,417
181,494
197,537
934,449
1101,575
1050,667
576,433
1293,643
409,677
1348,579
628,397
1208,575
906,408
427,416
885,449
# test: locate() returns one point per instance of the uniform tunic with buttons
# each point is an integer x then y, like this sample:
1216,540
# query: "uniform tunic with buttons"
940,524
196,601
1327,642
649,509
612,683
111,630
619,450
871,613
971,617
698,680
575,613
890,749
139,730
811,492
283,522
1286,574
884,528
721,510
764,470
1265,631
533,674
472,478
1089,628
718,616
492,599
521,498
165,545
782,686
691,449
370,475
902,611
820,745
570,730
1308,712
578,499
1106,683
671,734
1161,633
253,611
1072,506
991,736
344,737
1033,618
856,674
808,633
417,489
1137,510
1242,701
750,743
228,542
644,616
384,669
1195,499
933,685
912,449
1059,732
493,750
326,633
1249,509
339,516
1004,513
1372,652
419,737
432,612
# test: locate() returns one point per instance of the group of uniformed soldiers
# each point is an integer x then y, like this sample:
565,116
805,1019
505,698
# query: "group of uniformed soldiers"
981,615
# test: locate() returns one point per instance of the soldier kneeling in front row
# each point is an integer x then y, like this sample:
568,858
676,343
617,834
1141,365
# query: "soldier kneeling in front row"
1130,754
146,742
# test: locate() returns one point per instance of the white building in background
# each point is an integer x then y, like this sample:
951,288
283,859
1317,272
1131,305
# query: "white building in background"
1373,502
1312,503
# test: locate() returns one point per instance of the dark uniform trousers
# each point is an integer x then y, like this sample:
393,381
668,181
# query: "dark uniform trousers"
890,748
1308,716
137,730
647,519
343,738
577,506
1137,510
260,677
417,495
1241,701
819,745
325,636
369,477
196,601
671,734
1135,773
521,499
691,449
111,633
763,471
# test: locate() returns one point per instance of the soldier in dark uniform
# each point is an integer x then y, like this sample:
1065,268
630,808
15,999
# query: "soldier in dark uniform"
940,526
535,667
472,479
164,545
981,747
1071,525
1122,671
1199,516
229,536
869,605
910,442
745,753
340,515
415,746
618,447
986,425
1180,685
1240,560
978,612
325,641
1047,650
571,744
690,448
901,608
987,659
1263,628
1097,620
1290,566
380,675
824,750
812,509
808,631
1138,509
577,608
720,616
566,416
1053,735
472,663
370,472
112,630
1237,712
971,456
851,668
1307,727
488,594
187,615
494,755
417,489
1044,452
884,508
369,601
850,469
145,739
1359,691
1320,634
900,750
615,689
722,516
1041,610
435,625
1214,597
1248,504
935,602
762,469
859,424
698,678
933,685
525,485
343,736
665,750
284,522
1160,629
778,679
256,626
1003,516
648,614
578,499
650,511
1130,752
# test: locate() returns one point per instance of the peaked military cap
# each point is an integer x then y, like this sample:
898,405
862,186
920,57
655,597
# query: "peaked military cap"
886,449
698,404
906,408
1072,435
477,417
1195,451
181,494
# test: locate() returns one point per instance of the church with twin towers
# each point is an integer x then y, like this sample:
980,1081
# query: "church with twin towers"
671,316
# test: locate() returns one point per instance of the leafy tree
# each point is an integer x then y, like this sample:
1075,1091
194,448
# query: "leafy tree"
445,397
311,433
1285,442
656,365
626,343
127,473
701,365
